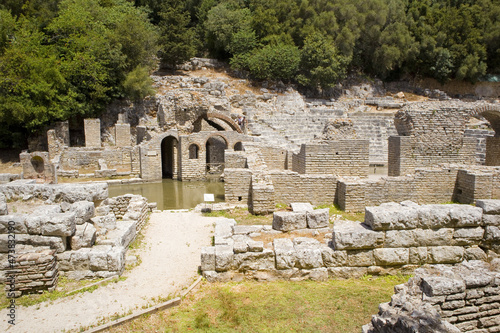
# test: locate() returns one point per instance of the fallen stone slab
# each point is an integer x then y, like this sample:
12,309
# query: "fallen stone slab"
123,235
301,207
489,206
319,218
84,211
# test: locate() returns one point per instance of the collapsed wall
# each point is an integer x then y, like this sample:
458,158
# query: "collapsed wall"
394,238
444,299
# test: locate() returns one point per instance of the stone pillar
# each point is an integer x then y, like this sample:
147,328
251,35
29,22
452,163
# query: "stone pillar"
92,133
62,132
492,151
122,135
141,134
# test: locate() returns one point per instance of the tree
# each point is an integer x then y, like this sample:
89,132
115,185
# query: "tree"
274,62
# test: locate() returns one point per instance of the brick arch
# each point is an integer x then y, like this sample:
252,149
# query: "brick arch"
163,135
226,119
490,113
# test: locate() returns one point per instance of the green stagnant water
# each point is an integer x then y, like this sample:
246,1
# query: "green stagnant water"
172,194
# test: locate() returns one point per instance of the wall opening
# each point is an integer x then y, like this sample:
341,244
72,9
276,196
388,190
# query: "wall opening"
238,146
37,163
215,147
193,151
168,156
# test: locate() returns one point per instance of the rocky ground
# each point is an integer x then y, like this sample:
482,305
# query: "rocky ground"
169,261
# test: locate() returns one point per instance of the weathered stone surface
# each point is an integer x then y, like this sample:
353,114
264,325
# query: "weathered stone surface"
347,272
333,258
489,206
208,258
98,257
3,205
302,207
465,216
319,218
307,256
123,235
355,235
107,222
468,236
391,257
418,255
360,258
80,259
246,229
287,221
285,253
116,259
401,238
62,224
255,260
240,247
255,246
391,216
84,211
491,220
434,237
446,254
47,210
223,231
84,236
439,285
475,253
17,224
492,234
434,216
224,258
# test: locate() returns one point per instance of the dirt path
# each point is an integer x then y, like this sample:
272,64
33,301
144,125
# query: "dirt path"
170,260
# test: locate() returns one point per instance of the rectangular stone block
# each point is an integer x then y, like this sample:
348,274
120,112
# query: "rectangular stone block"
489,206
224,258
92,132
257,261
446,254
62,224
350,235
360,258
391,257
208,258
285,253
287,221
332,258
400,238
391,216
434,237
319,218
418,255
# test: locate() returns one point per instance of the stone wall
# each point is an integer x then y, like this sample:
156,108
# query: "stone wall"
481,136
37,165
492,151
463,298
92,133
394,238
129,207
33,270
342,158
237,186
119,158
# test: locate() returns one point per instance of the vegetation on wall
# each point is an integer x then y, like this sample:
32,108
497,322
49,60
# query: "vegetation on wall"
61,58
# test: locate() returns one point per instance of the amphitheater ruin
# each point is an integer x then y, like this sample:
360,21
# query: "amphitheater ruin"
293,151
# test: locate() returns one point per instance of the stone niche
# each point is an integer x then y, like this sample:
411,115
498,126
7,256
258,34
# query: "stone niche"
37,165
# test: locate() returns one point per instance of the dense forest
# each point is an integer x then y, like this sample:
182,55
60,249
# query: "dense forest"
61,59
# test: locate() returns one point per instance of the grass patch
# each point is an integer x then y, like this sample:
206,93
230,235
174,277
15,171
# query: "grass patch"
335,210
333,306
242,216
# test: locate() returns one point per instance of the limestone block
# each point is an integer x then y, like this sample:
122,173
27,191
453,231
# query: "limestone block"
47,210
332,258
208,258
123,235
318,218
84,211
285,253
446,254
34,224
391,257
302,207
85,236
475,253
246,229
439,285
401,238
391,216
80,259
465,215
107,222
434,237
360,258
223,231
287,221
3,205
13,223
224,258
468,236
116,259
307,256
347,272
62,224
64,261
98,257
434,216
240,247
489,206
491,220
102,210
255,246
492,234
350,235
255,260
418,255
80,275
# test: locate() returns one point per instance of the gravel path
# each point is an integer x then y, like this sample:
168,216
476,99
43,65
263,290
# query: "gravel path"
170,260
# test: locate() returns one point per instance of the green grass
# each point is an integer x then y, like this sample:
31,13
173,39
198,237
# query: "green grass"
335,210
242,216
333,306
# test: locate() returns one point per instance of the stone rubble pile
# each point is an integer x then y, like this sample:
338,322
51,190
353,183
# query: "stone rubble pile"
444,299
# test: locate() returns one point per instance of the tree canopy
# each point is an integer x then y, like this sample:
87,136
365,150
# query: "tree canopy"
63,58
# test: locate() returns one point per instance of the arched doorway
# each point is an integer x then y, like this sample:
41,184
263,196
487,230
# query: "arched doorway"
215,147
169,157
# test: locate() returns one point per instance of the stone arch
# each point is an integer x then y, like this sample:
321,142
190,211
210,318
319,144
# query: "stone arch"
214,153
228,120
169,154
491,113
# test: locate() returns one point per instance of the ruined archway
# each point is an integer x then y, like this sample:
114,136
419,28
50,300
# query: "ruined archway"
492,114
212,118
169,147
215,147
